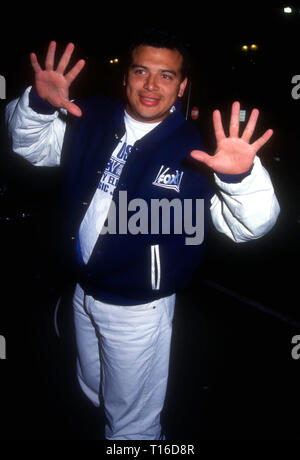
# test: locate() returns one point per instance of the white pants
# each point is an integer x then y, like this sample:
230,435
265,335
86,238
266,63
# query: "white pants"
123,357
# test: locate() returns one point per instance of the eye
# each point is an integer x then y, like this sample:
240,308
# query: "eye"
167,76
139,71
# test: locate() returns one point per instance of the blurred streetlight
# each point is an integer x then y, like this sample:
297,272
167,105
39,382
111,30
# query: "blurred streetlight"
287,10
114,61
246,48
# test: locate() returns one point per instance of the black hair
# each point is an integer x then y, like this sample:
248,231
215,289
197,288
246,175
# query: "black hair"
160,38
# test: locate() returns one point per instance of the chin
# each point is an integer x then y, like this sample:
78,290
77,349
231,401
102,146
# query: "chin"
147,116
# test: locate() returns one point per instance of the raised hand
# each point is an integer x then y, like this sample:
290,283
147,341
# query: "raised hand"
52,85
234,154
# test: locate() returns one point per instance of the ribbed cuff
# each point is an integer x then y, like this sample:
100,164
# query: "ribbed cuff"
234,178
39,105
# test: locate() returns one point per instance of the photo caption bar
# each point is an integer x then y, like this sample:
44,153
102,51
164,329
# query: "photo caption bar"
148,449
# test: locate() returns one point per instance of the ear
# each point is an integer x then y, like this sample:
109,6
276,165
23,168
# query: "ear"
182,87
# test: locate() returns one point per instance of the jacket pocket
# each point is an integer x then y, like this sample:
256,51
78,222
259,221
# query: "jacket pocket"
155,267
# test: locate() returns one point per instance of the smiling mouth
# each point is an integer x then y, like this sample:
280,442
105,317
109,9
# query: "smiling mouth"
149,101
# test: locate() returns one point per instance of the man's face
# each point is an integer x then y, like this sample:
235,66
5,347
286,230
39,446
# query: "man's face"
153,83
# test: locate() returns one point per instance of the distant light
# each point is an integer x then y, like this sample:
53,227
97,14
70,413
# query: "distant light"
116,60
254,47
287,10
111,61
245,48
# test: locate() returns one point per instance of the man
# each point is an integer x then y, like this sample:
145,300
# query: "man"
116,158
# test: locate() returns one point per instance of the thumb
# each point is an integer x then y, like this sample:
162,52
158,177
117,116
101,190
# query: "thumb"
72,108
201,156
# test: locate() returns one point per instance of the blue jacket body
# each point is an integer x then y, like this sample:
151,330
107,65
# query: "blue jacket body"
120,269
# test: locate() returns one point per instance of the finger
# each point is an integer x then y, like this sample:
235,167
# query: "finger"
201,156
49,61
219,131
34,62
72,108
249,130
72,74
262,140
65,59
235,120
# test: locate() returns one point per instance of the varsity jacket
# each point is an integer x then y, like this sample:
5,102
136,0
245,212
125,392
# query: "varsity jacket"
131,267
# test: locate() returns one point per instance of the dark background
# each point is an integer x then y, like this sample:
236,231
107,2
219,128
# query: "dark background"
232,373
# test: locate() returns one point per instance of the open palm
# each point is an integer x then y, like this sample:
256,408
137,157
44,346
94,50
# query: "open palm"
52,85
234,154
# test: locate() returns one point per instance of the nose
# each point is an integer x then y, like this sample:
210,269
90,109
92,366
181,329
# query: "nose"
151,83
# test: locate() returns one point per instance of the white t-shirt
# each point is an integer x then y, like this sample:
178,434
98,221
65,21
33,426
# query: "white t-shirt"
97,212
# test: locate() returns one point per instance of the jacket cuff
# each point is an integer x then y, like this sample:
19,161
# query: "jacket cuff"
39,105
234,178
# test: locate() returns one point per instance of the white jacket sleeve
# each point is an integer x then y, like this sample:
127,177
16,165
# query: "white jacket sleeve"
36,137
246,210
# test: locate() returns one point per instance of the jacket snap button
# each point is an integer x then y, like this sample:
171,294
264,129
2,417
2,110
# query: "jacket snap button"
154,307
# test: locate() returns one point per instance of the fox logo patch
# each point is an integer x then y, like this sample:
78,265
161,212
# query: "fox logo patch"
167,180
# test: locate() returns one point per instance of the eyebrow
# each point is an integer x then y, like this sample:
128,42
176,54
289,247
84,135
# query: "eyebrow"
134,66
